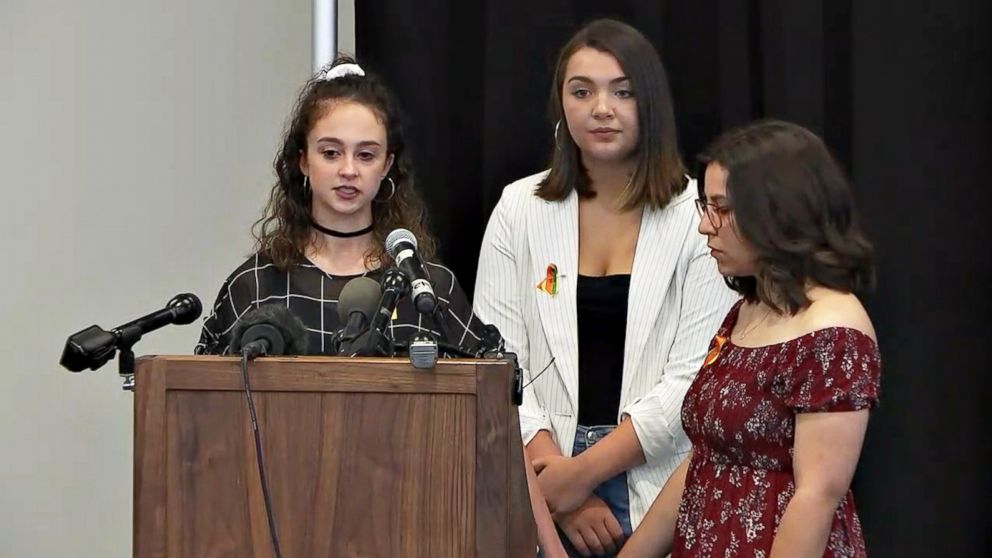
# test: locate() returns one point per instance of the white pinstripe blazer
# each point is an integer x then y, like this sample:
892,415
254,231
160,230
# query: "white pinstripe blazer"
677,301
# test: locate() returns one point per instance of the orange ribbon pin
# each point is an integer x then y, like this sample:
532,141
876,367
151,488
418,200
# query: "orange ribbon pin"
550,282
715,346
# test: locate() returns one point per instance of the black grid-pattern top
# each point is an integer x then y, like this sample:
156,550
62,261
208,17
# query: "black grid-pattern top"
312,295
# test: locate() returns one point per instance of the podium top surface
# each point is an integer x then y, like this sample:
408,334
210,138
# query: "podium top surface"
316,373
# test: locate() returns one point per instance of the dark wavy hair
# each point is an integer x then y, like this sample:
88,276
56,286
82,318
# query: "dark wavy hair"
660,174
792,204
284,230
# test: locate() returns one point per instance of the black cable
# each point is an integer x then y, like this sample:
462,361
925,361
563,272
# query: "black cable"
258,456
442,326
543,370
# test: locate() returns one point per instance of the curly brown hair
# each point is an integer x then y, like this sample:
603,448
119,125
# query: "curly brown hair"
792,204
284,231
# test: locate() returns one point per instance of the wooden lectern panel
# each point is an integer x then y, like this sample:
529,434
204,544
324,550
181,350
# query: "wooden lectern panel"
364,457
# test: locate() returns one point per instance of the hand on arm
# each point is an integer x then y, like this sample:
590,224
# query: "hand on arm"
591,528
567,482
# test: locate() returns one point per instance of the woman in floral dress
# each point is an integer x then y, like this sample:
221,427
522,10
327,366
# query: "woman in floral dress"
778,412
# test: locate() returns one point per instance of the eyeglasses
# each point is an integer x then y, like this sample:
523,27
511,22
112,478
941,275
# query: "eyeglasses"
715,213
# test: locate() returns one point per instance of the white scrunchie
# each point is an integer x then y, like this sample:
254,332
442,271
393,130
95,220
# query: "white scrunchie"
342,70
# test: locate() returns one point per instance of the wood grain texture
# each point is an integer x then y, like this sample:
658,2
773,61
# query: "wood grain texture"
149,460
352,470
520,515
317,374
491,464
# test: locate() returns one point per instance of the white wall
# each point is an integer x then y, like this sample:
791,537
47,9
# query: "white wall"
346,26
136,139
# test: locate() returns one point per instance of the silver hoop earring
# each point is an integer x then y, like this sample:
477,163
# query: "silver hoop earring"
557,125
306,185
392,190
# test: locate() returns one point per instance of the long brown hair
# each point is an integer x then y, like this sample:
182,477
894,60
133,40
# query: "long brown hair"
660,174
792,204
284,230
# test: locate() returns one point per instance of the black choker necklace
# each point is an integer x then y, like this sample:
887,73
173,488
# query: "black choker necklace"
340,234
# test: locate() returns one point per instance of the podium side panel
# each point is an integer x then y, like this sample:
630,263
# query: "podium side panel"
148,528
492,498
523,529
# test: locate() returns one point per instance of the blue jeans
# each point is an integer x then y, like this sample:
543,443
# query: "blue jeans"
613,491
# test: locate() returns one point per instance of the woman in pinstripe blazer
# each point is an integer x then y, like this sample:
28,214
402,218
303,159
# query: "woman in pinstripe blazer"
595,276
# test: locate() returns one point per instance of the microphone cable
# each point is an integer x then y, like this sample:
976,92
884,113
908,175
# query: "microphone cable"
258,455
543,370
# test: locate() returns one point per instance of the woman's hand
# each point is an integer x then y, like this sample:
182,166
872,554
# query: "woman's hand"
592,528
564,483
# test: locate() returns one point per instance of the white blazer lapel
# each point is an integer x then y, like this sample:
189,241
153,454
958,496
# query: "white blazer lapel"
651,277
553,235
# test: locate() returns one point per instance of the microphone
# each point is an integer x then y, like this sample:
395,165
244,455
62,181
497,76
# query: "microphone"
270,329
491,340
373,342
423,351
356,305
93,347
401,245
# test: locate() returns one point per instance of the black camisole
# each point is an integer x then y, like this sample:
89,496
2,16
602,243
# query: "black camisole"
602,323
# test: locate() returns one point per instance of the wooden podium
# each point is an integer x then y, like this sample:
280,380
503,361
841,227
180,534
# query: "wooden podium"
364,458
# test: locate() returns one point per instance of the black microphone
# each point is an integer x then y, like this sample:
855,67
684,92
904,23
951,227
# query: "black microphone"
374,342
401,245
357,304
93,347
490,340
270,329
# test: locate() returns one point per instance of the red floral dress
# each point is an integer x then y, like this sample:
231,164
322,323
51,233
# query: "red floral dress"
740,414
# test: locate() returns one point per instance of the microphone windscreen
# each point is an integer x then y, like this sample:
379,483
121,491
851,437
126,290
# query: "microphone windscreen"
277,315
361,294
395,238
186,308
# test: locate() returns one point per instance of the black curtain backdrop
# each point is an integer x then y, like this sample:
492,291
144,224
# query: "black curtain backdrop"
902,93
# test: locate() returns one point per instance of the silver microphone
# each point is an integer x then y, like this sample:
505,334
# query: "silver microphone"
401,245
423,351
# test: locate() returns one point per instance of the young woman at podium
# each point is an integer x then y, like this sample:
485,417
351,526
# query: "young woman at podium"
595,276
344,183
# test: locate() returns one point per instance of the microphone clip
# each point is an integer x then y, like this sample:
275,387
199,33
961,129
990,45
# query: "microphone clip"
94,346
517,385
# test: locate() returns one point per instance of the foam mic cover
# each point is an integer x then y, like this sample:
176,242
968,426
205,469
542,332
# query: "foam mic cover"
357,303
273,322
361,295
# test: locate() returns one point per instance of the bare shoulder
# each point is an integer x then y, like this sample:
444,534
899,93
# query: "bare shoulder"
832,308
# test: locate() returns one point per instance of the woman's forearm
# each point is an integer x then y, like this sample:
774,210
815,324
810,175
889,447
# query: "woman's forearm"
654,536
547,534
617,452
805,526
541,445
